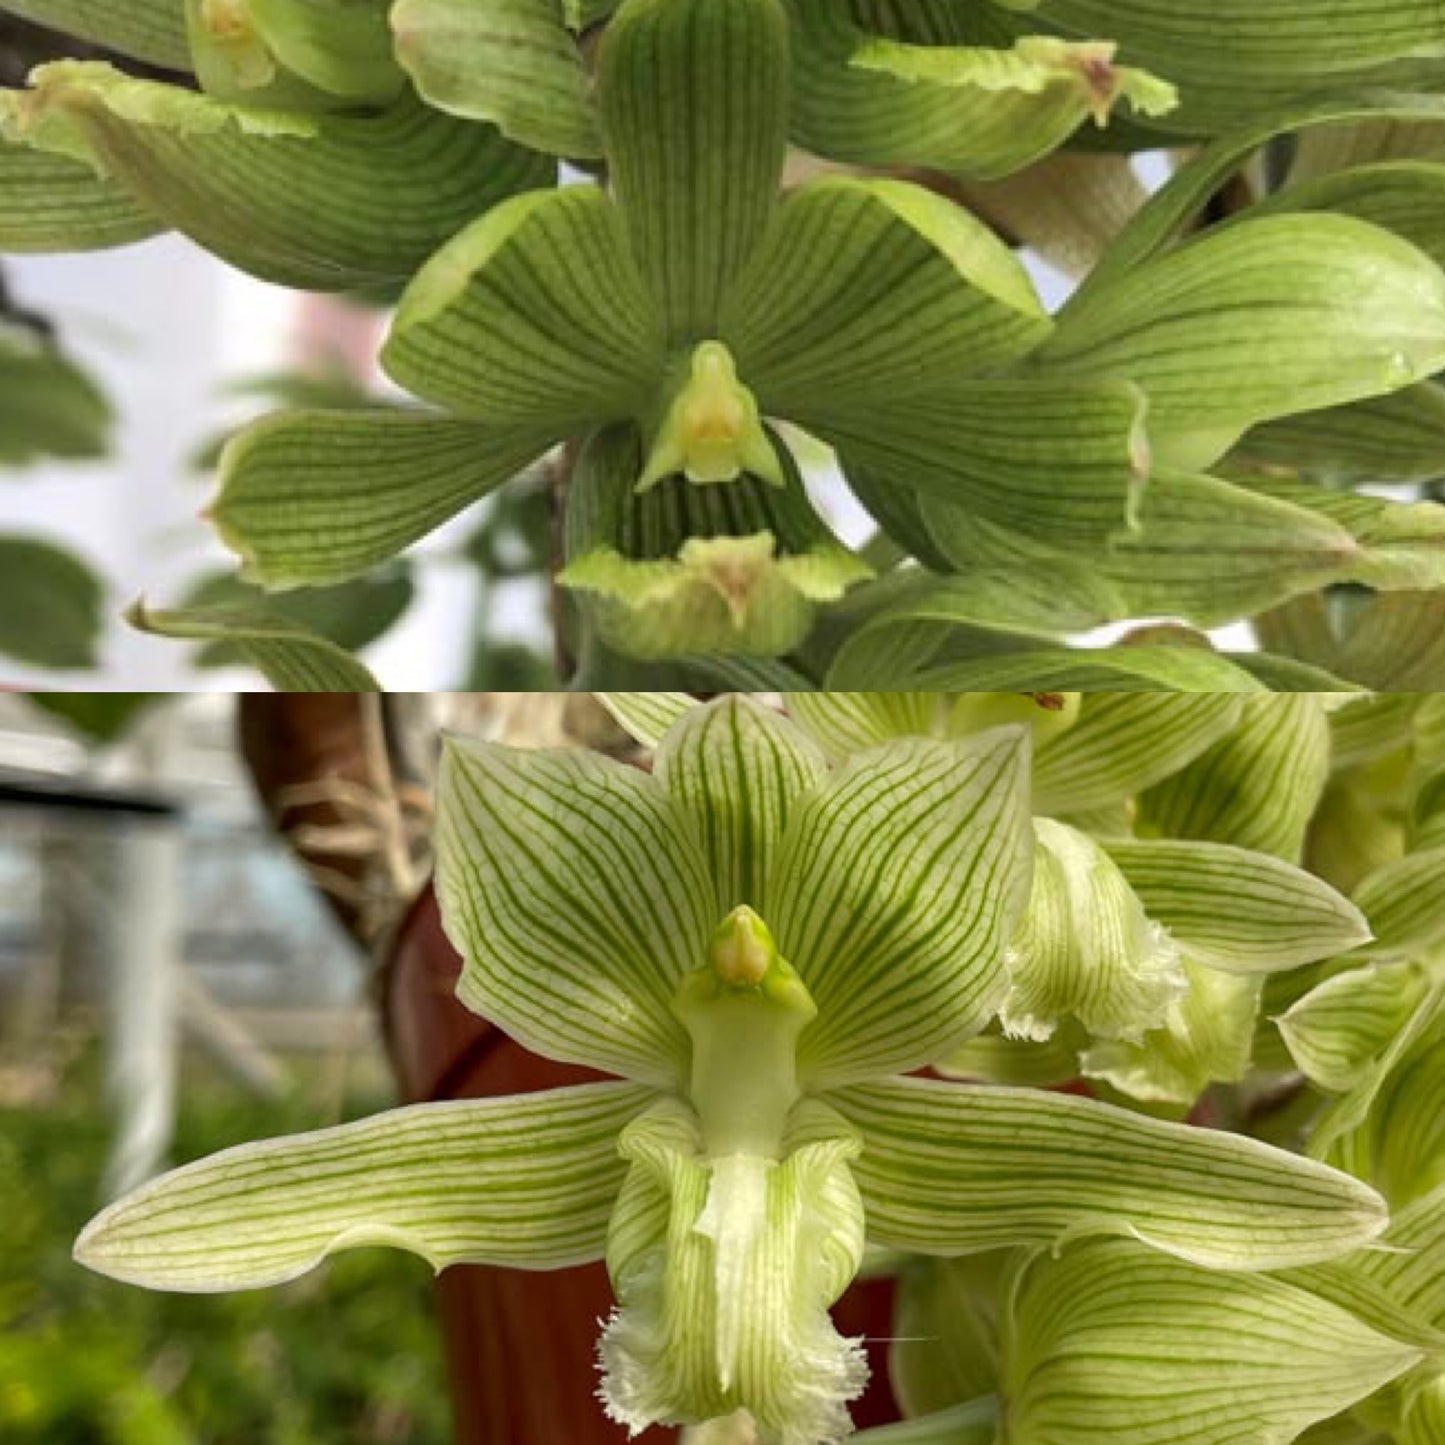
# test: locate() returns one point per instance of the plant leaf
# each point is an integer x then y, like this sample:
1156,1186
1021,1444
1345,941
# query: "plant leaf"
48,406
288,655
898,886
315,497
527,1181
953,1169
577,894
50,605
533,315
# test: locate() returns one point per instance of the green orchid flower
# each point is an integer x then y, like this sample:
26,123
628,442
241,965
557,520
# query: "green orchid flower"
1106,1340
669,318
759,944
1140,960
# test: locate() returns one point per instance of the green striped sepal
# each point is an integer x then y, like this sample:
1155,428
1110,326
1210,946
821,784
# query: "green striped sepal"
1389,1127
149,30
311,498
526,1181
289,655
1233,71
332,202
58,203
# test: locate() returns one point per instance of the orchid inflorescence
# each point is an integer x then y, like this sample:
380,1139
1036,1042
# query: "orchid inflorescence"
765,938
694,253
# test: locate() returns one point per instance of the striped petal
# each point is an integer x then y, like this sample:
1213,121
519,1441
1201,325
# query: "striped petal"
899,884
646,716
1256,788
289,655
1112,1343
1123,743
1342,1026
955,1169
1413,1272
527,1181
865,288
969,110
1390,1128
56,203
1256,321
533,314
848,722
736,770
512,62
1086,948
1063,461
1207,1038
149,30
694,99
326,203
1237,910
1401,900
577,894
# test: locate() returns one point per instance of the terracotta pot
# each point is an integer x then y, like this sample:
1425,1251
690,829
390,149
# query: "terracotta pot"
521,1346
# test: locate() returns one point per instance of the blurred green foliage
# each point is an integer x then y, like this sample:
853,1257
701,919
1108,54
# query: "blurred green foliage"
350,1356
